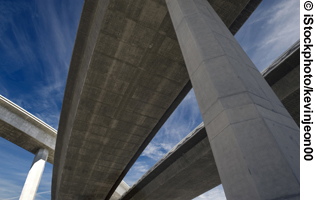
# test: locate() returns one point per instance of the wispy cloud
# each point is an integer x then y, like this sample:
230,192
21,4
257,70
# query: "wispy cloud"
38,196
34,66
14,170
137,170
271,29
44,189
183,120
36,44
216,193
154,151
37,40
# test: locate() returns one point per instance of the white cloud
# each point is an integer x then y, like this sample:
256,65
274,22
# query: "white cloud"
271,29
154,151
275,30
183,120
12,181
216,193
136,171
14,168
39,52
43,195
9,189
268,33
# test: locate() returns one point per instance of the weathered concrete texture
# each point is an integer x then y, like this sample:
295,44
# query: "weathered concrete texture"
147,186
25,130
242,17
120,190
254,140
283,75
30,133
126,72
34,175
187,171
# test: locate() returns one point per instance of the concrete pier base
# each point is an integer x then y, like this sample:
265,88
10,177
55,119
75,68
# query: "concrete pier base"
254,140
34,175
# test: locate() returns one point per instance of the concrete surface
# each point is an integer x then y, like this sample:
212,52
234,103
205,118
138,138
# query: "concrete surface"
254,140
34,175
126,76
25,130
121,189
282,75
30,133
284,72
185,172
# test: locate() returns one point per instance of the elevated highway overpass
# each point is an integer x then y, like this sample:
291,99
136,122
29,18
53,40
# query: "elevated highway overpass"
127,75
132,65
25,130
32,134
189,169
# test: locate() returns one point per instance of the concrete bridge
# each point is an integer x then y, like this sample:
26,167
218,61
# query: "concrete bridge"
132,65
189,169
32,134
27,131
186,164
127,75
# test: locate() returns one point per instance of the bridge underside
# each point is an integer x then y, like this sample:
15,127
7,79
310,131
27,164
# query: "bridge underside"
189,169
283,76
127,75
23,129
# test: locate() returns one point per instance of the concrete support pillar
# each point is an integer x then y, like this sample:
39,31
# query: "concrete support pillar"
254,140
34,175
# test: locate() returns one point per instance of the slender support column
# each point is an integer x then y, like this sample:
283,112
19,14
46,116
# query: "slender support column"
255,141
34,175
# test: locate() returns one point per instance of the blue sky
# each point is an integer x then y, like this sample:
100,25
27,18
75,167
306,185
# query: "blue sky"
36,42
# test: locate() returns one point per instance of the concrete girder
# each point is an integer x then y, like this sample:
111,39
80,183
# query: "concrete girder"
284,79
185,172
157,181
126,77
34,175
25,130
30,133
254,139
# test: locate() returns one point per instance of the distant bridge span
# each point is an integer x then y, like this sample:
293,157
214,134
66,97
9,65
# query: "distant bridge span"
132,65
127,75
32,134
189,169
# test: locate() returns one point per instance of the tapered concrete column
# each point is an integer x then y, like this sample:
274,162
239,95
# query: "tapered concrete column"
34,175
255,141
